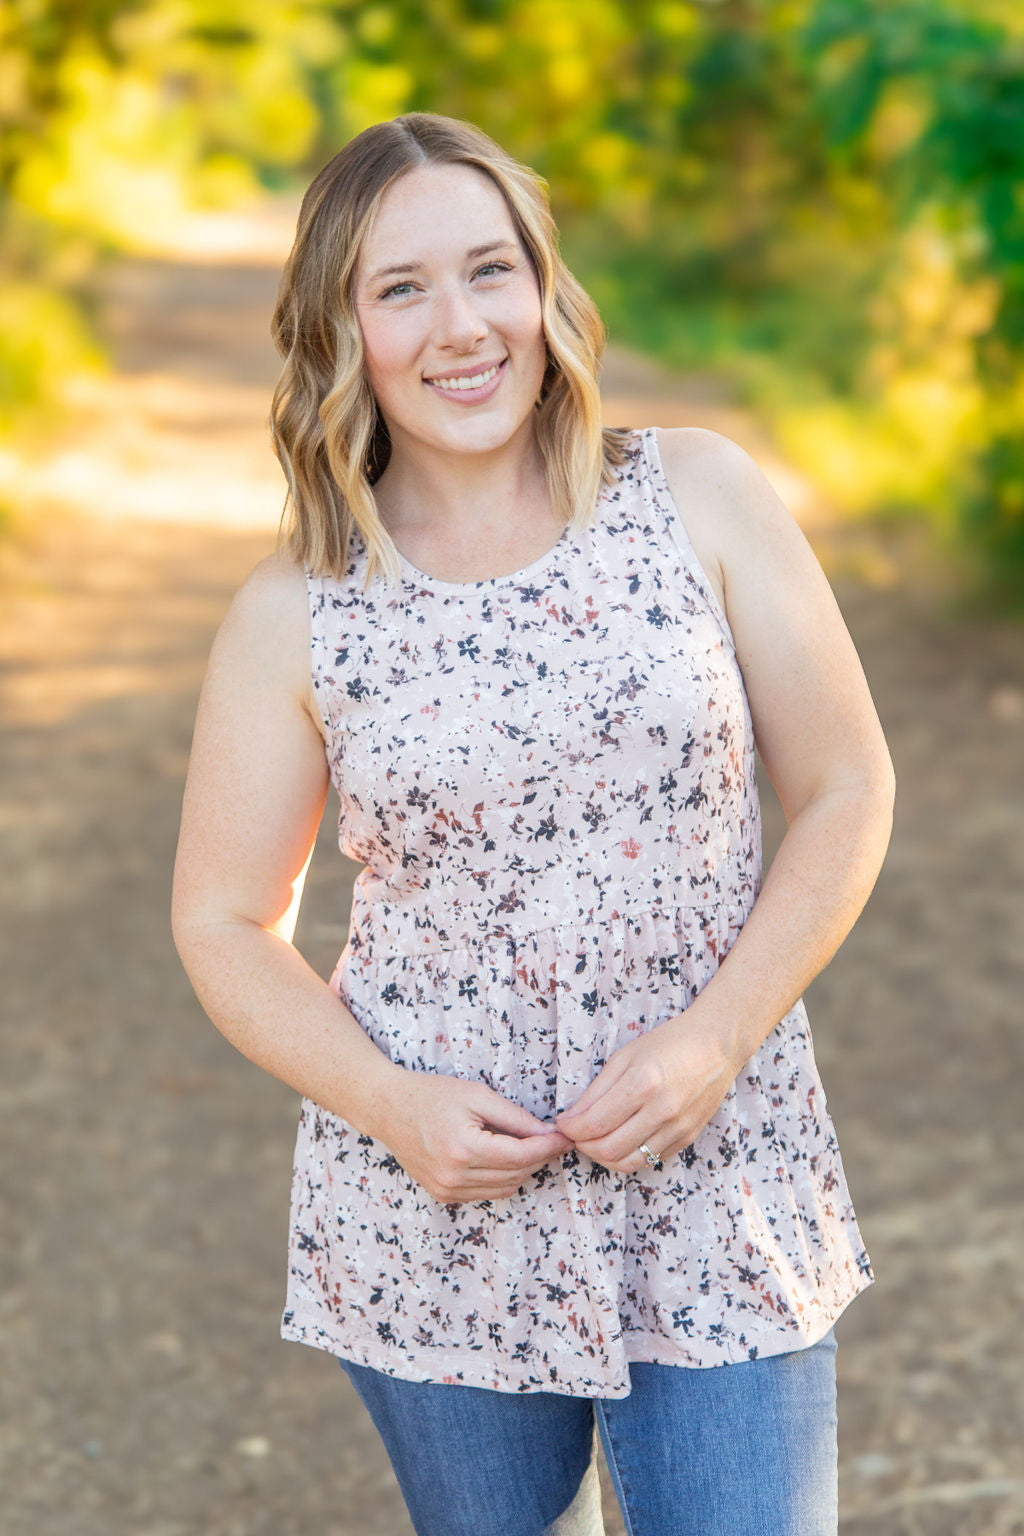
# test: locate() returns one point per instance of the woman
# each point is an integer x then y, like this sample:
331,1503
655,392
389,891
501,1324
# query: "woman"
564,1162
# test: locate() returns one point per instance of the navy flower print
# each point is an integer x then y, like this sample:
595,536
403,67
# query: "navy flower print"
549,780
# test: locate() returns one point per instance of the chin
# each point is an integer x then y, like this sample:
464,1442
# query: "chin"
482,436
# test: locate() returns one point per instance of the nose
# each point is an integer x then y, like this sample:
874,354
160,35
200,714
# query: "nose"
458,321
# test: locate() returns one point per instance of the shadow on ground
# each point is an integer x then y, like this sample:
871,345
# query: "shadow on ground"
146,1168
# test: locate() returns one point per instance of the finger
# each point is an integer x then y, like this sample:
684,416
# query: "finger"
621,1149
503,1172
596,1089
476,1198
511,1118
494,1187
519,1152
622,1101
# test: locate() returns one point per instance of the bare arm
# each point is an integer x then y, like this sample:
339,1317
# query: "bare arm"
818,735
256,788
823,748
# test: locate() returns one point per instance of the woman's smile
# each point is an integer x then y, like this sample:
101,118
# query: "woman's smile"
453,307
527,1188
467,388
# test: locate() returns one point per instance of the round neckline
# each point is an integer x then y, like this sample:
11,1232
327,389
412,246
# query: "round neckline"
422,578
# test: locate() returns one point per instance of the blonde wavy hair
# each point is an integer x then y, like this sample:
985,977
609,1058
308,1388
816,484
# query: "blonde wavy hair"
327,432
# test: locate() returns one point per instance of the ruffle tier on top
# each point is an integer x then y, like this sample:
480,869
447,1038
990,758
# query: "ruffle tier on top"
549,778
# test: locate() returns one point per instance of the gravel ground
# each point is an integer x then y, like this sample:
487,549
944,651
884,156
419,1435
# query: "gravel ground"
144,1187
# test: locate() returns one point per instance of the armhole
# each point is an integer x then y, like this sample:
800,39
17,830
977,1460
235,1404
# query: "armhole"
677,528
318,646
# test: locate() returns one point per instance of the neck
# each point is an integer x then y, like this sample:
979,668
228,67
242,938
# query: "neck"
455,494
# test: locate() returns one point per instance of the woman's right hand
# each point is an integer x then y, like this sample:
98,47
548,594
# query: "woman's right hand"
464,1142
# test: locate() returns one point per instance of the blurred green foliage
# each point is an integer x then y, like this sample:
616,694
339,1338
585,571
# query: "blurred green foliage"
822,198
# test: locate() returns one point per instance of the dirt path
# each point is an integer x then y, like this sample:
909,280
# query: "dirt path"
144,1196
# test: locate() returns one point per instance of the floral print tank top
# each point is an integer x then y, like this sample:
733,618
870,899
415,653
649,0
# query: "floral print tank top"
549,779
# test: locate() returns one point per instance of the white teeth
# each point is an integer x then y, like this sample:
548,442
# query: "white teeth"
471,383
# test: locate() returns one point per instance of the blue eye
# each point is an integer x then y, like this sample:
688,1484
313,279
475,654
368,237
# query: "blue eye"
488,268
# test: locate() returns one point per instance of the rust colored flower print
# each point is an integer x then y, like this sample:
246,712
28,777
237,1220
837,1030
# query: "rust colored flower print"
548,778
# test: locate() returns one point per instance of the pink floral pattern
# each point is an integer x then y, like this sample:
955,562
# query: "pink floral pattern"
549,778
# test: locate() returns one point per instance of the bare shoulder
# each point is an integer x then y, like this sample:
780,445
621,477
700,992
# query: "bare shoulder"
724,485
729,507
814,720
274,591
264,640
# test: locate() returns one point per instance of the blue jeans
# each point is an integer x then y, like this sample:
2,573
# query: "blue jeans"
731,1450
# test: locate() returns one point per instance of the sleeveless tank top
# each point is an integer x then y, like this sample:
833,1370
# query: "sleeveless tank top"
549,780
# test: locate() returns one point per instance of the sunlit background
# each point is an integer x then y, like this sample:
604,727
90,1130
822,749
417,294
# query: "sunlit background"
820,201
803,222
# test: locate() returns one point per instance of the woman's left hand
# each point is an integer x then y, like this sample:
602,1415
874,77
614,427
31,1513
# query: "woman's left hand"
661,1089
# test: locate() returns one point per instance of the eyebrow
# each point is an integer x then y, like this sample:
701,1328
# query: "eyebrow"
417,266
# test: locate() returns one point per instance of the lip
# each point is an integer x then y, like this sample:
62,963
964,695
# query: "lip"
470,396
464,373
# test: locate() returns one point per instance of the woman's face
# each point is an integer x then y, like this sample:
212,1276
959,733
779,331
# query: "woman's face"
445,293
